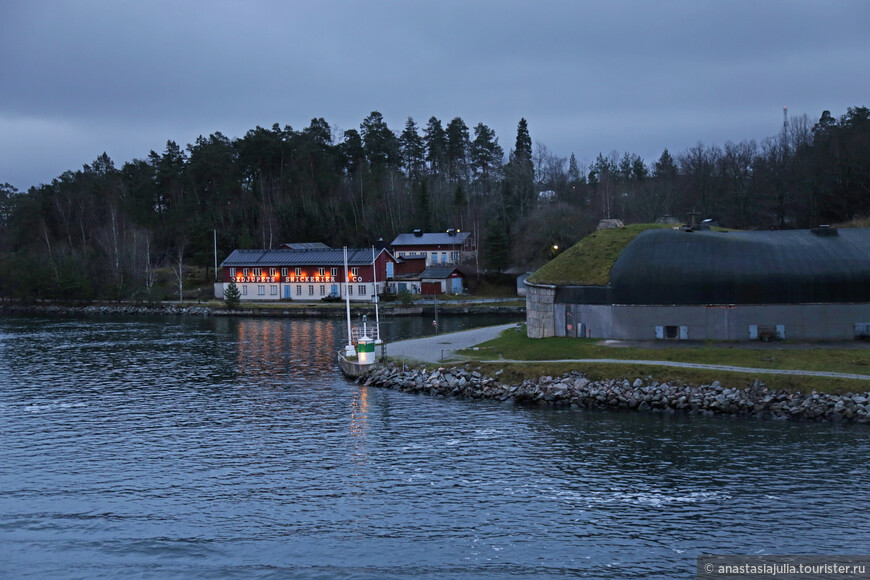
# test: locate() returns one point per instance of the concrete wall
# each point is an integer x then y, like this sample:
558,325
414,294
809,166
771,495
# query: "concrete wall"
801,321
540,322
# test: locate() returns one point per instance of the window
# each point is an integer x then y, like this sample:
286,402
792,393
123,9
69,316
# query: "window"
244,289
362,290
258,271
311,290
454,257
323,290
333,272
298,272
284,271
273,271
443,257
321,271
261,290
349,290
232,272
246,272
354,271
298,290
273,290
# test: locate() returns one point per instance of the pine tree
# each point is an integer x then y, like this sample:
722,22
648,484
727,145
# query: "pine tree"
521,172
574,175
232,296
412,149
436,145
497,246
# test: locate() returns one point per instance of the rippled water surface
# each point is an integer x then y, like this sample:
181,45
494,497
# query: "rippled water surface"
191,448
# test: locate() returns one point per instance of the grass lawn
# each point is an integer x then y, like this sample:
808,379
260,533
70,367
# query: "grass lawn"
514,344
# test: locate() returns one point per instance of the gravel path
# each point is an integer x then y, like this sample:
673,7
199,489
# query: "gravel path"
433,349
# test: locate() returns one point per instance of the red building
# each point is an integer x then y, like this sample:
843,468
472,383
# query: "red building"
307,275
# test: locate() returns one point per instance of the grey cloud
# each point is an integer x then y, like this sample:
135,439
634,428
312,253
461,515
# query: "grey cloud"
589,77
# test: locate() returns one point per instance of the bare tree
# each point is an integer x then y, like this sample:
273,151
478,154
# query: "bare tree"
178,268
143,251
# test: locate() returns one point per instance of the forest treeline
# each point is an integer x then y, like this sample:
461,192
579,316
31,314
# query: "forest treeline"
105,231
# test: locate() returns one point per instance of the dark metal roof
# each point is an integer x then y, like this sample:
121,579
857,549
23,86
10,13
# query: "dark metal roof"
437,272
764,267
431,239
306,246
320,257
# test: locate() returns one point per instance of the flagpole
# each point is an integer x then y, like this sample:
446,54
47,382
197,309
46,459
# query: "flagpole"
348,350
377,298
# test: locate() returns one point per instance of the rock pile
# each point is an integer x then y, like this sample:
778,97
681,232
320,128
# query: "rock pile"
575,390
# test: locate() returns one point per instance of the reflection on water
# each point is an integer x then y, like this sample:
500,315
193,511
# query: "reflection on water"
272,348
226,448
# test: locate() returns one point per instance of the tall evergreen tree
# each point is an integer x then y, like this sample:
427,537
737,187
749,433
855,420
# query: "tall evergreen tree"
574,175
458,145
412,150
436,145
486,156
379,142
521,173
523,147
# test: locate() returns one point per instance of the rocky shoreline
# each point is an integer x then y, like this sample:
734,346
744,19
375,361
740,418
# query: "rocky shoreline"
103,309
295,311
576,391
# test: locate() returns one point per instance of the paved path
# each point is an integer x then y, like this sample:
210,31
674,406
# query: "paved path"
666,363
432,349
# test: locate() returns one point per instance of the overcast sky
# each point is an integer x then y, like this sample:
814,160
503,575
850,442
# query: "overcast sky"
83,77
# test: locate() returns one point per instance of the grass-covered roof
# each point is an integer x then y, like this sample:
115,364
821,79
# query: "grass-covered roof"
588,262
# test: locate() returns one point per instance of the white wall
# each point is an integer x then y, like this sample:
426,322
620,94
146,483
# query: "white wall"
306,295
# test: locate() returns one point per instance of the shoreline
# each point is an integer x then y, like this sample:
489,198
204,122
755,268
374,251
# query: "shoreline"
575,391
295,311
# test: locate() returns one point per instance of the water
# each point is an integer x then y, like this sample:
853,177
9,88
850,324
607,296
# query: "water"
190,448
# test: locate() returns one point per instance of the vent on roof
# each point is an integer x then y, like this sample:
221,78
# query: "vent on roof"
825,231
418,233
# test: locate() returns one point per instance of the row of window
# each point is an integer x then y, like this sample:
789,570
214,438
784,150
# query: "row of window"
273,290
433,256
261,290
285,271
